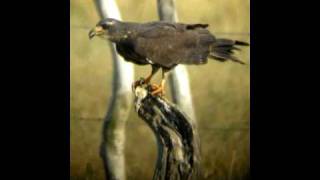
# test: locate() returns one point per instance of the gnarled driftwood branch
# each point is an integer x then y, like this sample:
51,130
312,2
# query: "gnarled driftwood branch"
177,138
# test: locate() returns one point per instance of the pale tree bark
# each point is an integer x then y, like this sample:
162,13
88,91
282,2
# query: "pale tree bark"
178,78
113,133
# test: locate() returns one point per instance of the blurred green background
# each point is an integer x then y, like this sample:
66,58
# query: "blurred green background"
221,92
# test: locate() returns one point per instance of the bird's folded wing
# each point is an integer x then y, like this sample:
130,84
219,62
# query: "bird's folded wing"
169,45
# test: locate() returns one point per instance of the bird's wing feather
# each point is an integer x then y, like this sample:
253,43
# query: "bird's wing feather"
169,44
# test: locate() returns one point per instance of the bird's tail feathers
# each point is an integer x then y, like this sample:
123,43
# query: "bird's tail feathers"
223,49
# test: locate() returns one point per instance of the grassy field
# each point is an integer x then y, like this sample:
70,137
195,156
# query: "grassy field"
221,92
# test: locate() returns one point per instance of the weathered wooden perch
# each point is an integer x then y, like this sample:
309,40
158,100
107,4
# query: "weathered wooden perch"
177,138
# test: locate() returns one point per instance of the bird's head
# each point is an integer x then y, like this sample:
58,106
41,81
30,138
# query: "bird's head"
108,28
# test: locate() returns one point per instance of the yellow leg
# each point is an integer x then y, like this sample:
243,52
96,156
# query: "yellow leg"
159,90
146,80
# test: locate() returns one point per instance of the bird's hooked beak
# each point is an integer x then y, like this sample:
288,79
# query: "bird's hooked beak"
97,31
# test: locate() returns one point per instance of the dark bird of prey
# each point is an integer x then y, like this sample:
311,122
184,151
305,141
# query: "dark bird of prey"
165,45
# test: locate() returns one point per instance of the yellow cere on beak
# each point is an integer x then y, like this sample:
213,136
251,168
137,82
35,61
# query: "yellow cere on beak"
98,30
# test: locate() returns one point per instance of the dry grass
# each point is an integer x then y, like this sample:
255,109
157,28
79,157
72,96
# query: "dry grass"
220,93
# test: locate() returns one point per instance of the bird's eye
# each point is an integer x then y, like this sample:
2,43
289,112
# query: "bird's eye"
104,26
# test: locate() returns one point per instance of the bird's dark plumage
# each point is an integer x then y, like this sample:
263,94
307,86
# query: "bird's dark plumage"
165,45
168,44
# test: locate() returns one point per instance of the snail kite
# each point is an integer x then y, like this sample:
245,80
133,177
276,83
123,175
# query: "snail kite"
165,45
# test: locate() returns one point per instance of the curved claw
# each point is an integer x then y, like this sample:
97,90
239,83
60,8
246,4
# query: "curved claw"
157,90
154,87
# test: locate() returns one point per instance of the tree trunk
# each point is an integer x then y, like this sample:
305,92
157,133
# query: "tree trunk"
113,132
178,78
